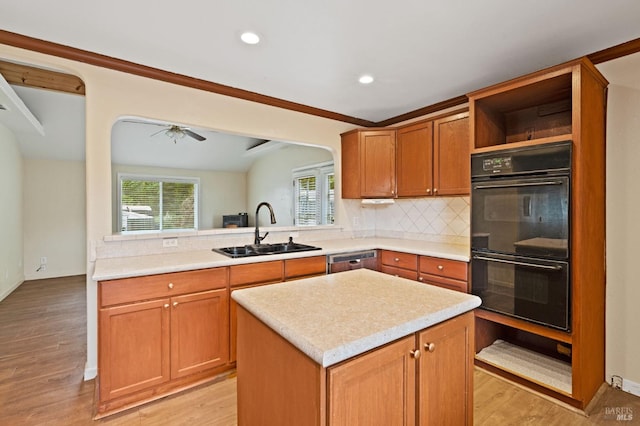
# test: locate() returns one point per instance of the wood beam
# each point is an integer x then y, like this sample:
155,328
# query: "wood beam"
28,76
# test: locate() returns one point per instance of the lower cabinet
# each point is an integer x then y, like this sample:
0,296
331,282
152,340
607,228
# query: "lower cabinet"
149,347
425,378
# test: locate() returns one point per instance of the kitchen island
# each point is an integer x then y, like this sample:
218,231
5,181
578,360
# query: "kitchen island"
357,347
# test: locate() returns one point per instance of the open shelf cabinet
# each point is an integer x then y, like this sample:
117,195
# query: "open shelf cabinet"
565,102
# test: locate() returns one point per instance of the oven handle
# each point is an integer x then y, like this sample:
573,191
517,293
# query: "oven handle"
515,185
514,262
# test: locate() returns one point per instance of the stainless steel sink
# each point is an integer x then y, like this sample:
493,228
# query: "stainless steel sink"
264,249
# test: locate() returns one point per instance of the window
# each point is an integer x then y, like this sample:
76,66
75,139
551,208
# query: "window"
313,197
154,203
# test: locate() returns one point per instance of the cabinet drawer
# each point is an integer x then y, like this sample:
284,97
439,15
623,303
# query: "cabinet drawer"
400,272
444,267
400,260
126,290
445,282
256,273
305,266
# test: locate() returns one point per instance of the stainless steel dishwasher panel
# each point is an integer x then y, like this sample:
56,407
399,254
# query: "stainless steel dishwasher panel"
353,260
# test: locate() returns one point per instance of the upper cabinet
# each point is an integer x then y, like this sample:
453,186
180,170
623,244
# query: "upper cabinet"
369,164
451,155
422,159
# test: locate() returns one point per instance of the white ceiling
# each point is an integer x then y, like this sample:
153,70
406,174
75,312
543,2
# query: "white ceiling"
420,52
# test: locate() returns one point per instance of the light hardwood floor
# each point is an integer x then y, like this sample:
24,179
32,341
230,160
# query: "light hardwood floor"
42,354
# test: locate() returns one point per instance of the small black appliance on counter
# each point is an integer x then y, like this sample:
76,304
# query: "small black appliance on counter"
235,220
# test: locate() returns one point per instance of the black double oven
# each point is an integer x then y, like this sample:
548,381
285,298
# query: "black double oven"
520,225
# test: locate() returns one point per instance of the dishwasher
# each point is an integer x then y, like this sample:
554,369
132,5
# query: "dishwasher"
353,260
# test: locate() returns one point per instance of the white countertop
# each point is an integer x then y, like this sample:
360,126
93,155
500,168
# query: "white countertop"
335,317
133,266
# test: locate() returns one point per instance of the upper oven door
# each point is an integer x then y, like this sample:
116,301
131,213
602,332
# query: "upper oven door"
526,216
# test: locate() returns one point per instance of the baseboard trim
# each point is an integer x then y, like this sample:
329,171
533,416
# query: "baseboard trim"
10,290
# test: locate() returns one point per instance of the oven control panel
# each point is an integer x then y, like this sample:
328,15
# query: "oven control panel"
496,164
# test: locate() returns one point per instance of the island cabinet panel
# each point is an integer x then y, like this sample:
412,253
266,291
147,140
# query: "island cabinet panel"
199,332
378,388
445,372
424,378
277,383
134,348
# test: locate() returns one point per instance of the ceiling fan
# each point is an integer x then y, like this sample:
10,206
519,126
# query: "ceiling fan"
175,132
172,131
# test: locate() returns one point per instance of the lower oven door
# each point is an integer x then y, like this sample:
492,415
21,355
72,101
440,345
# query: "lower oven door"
528,288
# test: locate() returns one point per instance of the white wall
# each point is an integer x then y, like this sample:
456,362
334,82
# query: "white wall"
54,218
11,223
623,233
270,178
220,192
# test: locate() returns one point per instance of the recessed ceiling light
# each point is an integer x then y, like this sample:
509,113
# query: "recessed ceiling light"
250,38
366,79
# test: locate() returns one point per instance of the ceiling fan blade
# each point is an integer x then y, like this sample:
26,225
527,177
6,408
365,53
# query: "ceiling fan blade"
193,135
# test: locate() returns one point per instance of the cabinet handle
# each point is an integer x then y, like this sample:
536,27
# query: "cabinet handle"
170,285
440,267
175,304
415,353
435,190
428,190
166,305
396,259
420,279
430,346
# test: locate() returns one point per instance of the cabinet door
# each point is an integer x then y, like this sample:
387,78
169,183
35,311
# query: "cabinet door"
199,332
445,373
134,347
305,267
378,163
377,388
452,155
351,165
414,161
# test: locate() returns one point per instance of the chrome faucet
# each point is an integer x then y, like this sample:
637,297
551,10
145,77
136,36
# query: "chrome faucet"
258,238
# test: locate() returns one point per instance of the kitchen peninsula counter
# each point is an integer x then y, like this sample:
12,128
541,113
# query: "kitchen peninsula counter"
346,349
177,261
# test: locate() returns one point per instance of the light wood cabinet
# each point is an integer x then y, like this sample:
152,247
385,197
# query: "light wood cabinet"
369,164
401,383
378,388
400,264
445,373
451,155
262,273
426,158
562,103
156,335
451,274
415,160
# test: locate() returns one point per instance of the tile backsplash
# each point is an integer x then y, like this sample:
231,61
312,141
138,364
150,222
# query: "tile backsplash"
434,219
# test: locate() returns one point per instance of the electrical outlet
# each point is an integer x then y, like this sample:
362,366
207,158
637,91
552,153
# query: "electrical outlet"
43,260
616,382
170,242
528,133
